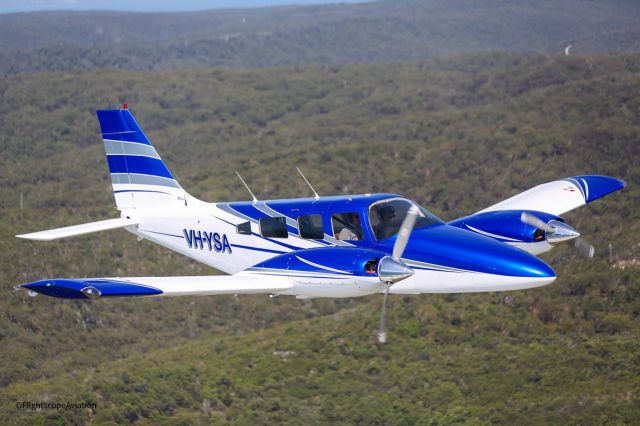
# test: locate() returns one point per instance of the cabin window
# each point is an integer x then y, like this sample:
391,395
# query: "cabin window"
244,228
310,226
346,226
273,227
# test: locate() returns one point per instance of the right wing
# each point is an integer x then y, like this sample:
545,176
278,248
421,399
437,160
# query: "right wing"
321,272
560,196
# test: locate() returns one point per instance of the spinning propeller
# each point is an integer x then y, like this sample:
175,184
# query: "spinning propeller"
558,232
392,269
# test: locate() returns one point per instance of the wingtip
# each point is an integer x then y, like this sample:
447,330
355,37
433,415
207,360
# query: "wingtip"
597,186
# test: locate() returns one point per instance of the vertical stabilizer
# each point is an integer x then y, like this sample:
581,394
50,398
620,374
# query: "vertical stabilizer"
139,176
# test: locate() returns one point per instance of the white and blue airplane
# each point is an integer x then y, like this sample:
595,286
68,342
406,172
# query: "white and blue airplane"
338,246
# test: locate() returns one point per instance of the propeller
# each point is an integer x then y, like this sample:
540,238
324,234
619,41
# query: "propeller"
382,334
535,221
405,232
584,248
392,269
558,232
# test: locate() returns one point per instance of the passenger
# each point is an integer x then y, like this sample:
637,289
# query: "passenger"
351,229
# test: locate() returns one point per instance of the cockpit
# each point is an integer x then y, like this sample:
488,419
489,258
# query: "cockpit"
386,217
358,220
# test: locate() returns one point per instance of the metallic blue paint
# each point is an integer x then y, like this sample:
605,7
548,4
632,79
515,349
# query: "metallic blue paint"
330,260
257,249
138,164
595,186
443,245
453,247
119,125
325,206
504,223
70,288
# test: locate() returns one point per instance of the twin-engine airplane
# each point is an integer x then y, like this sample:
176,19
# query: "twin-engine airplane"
339,246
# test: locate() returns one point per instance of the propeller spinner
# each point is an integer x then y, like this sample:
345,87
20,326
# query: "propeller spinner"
558,232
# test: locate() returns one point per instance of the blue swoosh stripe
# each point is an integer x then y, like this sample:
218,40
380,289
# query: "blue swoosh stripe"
258,249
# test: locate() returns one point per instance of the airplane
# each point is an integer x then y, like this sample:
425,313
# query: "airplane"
329,246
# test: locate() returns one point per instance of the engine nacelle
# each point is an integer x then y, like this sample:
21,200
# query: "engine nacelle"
353,271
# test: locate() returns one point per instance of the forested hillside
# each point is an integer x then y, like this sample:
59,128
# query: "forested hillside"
456,135
384,31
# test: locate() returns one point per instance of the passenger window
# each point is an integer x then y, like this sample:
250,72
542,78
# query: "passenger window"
310,226
244,228
273,227
346,226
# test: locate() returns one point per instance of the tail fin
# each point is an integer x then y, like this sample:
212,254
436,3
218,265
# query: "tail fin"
139,176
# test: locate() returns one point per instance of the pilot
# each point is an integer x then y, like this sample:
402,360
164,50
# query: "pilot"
349,232
385,228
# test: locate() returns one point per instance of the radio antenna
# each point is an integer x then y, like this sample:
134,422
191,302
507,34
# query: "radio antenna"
255,200
315,194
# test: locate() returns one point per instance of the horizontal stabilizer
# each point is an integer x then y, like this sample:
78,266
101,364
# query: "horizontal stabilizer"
72,231
91,288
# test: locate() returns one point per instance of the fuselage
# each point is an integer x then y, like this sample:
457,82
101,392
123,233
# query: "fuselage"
239,236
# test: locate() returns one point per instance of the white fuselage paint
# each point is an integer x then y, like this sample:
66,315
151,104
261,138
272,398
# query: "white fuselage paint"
167,227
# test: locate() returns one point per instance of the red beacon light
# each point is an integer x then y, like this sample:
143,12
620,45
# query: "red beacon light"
125,106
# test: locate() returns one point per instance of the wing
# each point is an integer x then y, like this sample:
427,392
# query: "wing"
316,272
560,196
82,288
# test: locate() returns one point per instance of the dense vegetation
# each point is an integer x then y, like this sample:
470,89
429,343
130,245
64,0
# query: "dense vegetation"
386,31
456,135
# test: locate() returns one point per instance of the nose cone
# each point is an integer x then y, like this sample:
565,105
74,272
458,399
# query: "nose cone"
392,271
527,265
463,250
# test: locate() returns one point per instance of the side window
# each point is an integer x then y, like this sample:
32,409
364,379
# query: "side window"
346,226
243,228
273,227
310,226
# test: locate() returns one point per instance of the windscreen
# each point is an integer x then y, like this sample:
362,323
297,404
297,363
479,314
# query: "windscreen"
387,216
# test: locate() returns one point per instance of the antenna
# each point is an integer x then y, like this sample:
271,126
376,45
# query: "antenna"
315,194
255,200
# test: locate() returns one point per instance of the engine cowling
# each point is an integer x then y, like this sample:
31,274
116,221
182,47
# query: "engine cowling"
507,226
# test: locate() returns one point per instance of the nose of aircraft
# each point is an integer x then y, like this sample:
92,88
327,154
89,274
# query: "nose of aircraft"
465,250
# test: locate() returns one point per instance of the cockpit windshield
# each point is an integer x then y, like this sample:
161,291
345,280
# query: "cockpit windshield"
386,217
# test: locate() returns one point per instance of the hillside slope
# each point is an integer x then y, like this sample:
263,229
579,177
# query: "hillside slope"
386,31
455,135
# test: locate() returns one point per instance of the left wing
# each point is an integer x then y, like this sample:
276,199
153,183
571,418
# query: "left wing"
545,203
560,196
83,288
